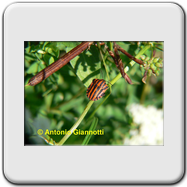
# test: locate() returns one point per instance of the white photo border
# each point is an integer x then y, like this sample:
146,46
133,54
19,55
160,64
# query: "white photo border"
88,22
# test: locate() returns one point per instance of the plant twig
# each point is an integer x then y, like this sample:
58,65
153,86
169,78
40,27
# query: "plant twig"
74,97
55,66
130,56
61,142
142,51
103,59
120,65
144,77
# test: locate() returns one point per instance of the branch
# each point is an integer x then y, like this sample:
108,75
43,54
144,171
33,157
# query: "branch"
120,65
130,56
55,66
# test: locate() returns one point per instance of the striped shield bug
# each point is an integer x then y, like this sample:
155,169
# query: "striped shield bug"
97,89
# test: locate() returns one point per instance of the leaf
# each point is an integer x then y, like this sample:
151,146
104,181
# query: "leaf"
41,66
87,65
47,92
46,58
41,122
35,48
60,46
58,98
48,139
51,60
51,48
92,128
123,45
48,100
70,44
33,68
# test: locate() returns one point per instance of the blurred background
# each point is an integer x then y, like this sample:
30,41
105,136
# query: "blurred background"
132,114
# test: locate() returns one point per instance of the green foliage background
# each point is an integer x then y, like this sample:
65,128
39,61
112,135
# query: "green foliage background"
57,102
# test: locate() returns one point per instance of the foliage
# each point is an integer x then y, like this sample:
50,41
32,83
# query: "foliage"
57,102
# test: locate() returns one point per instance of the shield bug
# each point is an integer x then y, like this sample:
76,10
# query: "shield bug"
97,89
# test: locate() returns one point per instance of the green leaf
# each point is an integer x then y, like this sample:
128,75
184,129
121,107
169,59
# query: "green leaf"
70,44
48,100
87,65
41,66
46,58
60,46
51,48
41,122
33,68
51,60
35,48
92,128
123,45
47,92
48,139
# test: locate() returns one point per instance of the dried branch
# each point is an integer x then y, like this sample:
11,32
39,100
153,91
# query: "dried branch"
120,65
130,56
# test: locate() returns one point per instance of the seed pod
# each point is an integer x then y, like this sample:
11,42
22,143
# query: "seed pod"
143,57
152,66
157,73
43,74
147,58
155,60
159,65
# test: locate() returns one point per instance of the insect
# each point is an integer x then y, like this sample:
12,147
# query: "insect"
97,89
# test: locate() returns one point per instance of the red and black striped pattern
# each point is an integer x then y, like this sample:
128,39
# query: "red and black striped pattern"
97,89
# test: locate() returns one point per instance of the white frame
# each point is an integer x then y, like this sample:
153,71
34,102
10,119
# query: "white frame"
128,164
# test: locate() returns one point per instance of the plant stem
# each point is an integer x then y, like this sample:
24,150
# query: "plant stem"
103,59
92,128
142,51
93,113
74,97
61,142
118,77
145,91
